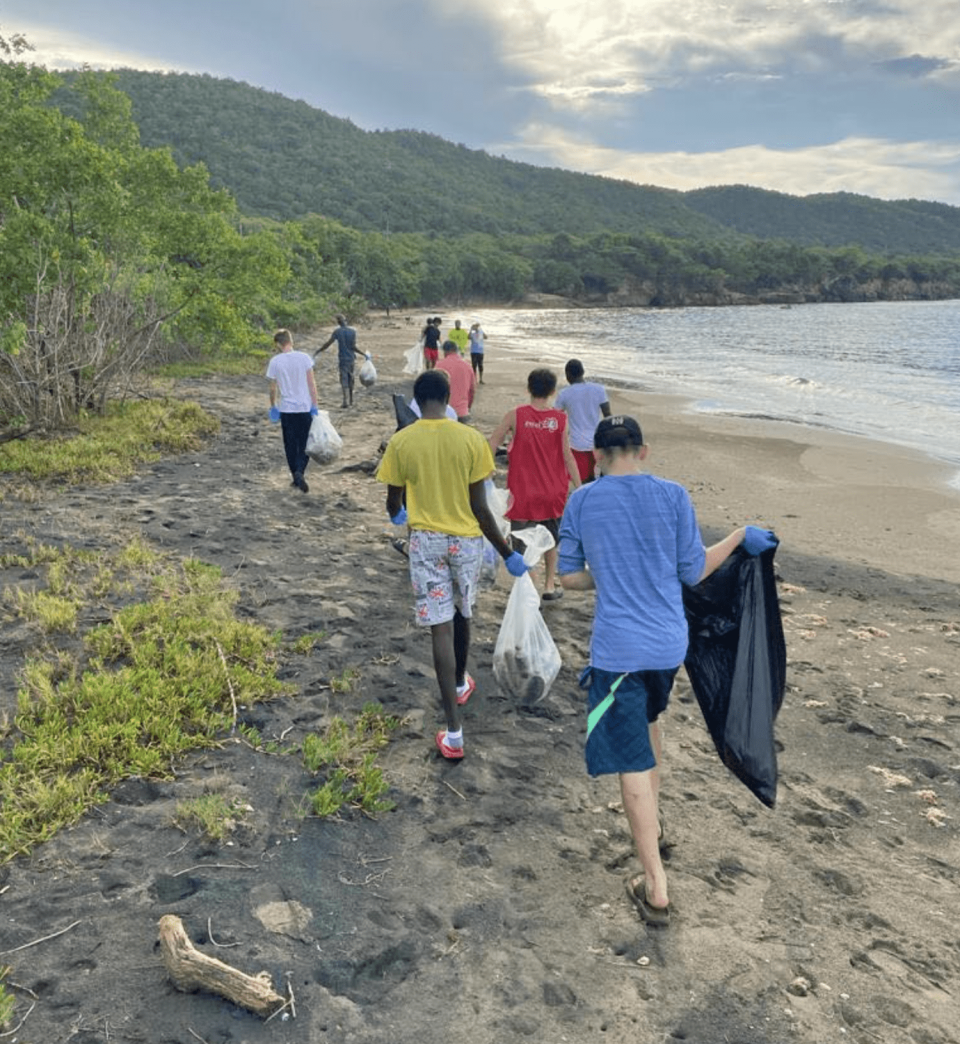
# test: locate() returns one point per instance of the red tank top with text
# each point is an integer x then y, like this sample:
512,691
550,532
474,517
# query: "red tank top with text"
537,475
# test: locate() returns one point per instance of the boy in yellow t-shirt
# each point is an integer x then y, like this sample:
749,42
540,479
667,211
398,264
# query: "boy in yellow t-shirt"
441,466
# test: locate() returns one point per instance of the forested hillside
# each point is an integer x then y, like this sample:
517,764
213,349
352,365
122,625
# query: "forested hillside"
906,226
405,218
283,159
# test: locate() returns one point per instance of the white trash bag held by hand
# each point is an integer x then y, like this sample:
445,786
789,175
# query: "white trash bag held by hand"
368,372
526,660
414,360
323,442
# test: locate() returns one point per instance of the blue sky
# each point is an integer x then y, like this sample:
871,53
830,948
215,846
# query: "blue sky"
796,95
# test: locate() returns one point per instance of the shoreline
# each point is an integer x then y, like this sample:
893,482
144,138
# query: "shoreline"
949,461
826,493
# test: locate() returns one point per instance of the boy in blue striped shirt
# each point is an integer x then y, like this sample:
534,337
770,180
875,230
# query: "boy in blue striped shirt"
634,538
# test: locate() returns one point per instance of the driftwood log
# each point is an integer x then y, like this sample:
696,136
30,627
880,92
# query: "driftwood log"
191,970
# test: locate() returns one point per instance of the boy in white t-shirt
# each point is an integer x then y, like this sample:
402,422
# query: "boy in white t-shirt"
584,403
293,402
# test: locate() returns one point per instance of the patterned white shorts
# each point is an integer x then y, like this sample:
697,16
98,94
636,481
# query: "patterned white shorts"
445,572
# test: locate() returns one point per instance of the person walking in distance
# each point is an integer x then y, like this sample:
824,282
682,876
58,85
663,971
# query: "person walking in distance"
293,402
463,381
634,539
584,403
431,343
476,337
347,350
459,336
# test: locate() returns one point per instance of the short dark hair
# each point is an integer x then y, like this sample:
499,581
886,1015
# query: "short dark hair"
541,383
282,337
617,432
573,370
431,386
450,346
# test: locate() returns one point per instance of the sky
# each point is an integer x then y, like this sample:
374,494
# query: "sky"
799,96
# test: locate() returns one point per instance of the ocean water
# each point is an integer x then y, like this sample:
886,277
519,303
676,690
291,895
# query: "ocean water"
887,371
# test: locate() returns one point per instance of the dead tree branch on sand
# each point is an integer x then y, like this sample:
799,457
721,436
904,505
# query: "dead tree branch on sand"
191,970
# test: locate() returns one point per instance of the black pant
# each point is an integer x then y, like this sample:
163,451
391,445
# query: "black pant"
296,427
476,361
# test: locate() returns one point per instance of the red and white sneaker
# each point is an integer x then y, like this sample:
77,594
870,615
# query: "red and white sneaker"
462,697
450,753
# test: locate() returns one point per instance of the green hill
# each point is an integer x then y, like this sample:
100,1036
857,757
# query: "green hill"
404,216
283,159
909,226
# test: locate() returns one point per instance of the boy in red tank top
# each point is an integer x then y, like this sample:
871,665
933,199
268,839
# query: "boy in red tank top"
541,466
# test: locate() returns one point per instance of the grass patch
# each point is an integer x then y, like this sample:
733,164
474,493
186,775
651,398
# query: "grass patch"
108,447
348,756
215,815
163,676
7,1000
233,365
306,643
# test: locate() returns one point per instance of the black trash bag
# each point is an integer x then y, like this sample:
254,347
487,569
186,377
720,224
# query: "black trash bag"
402,409
737,664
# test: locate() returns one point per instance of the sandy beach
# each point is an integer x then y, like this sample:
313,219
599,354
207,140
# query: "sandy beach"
489,904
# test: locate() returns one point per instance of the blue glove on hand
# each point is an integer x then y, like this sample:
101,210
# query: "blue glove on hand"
757,540
274,414
314,411
367,355
515,564
400,518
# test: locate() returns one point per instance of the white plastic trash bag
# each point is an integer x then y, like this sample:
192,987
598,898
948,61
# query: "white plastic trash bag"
526,660
497,502
368,373
490,568
414,360
323,442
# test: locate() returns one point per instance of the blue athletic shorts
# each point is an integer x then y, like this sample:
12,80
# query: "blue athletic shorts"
620,741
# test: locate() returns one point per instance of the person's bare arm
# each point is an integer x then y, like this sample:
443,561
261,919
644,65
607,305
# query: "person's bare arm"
718,553
569,461
274,391
605,409
582,581
312,388
504,428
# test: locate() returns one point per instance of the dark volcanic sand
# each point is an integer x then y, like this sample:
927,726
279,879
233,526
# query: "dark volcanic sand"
489,906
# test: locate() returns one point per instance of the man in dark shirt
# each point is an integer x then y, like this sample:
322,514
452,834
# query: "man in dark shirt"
346,338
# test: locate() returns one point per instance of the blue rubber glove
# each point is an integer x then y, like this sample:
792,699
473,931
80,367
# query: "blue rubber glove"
274,414
313,411
367,355
515,564
757,540
400,518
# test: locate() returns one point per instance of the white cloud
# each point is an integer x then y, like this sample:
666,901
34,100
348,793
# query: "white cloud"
56,49
883,169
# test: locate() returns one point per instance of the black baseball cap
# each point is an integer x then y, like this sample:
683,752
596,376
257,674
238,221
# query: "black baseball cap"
616,432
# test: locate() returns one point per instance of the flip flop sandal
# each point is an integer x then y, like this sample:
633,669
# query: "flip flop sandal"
655,916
